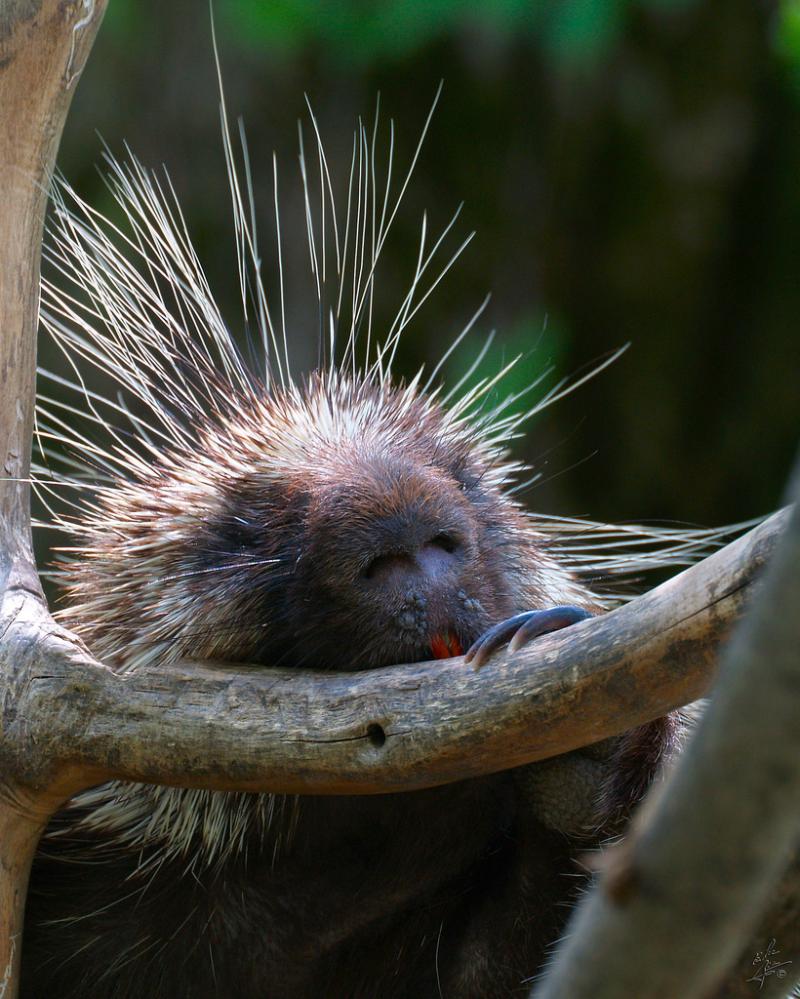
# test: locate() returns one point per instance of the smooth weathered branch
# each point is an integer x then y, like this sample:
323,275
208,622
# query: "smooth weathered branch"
681,897
43,47
398,728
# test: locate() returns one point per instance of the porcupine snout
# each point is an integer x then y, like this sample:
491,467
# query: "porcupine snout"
406,557
418,565
421,550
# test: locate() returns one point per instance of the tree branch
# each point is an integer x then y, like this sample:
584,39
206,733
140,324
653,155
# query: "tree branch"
43,47
400,728
682,895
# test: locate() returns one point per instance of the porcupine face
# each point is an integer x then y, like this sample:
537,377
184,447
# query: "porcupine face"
369,532
341,524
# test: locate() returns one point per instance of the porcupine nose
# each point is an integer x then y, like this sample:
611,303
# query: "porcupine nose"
432,563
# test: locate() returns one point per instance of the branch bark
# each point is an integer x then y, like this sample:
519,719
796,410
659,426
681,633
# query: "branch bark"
682,896
43,47
75,723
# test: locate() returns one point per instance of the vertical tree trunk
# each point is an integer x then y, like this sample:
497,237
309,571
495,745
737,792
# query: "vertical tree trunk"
43,47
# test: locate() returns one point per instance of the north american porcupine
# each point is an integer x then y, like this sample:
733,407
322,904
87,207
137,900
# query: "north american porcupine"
295,521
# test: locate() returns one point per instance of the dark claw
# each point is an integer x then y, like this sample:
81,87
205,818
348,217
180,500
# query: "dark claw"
521,629
492,639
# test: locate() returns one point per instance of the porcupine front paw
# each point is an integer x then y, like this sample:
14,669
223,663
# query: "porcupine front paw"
561,792
589,792
521,629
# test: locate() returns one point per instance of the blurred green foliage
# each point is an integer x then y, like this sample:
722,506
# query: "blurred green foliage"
787,38
364,32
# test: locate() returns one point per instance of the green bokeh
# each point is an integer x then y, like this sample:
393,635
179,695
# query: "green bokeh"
355,33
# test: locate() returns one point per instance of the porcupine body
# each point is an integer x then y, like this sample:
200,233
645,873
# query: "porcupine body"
344,521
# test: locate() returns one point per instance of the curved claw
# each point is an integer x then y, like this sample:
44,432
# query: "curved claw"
542,622
521,629
492,639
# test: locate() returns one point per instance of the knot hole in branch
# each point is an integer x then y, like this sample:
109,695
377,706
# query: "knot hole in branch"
376,734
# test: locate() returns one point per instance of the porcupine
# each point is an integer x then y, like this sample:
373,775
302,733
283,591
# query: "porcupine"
250,518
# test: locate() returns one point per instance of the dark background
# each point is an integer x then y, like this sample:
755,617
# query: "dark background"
631,169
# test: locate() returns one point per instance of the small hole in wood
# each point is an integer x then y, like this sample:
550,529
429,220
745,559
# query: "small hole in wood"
376,735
